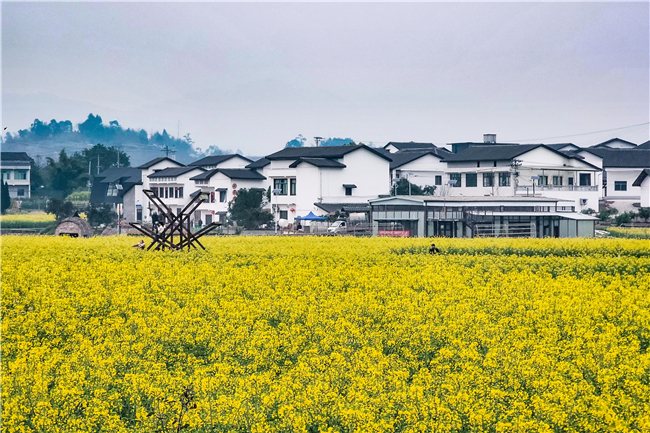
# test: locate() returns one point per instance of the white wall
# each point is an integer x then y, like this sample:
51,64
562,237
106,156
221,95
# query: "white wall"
422,171
645,192
628,175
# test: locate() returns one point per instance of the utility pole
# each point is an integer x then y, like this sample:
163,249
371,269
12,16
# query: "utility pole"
98,165
317,140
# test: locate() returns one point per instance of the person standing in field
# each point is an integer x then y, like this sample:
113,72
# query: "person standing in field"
433,250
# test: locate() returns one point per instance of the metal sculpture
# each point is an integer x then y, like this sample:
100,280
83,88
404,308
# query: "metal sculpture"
179,223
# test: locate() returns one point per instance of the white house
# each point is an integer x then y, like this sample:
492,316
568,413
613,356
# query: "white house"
614,143
171,185
220,186
306,176
522,170
422,168
16,171
621,167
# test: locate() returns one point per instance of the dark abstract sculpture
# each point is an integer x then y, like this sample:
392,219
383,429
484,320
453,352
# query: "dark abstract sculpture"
174,224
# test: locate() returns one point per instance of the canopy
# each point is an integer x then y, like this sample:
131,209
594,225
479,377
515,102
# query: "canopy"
311,217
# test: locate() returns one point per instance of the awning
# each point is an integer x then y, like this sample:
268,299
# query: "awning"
221,189
349,185
311,217
567,215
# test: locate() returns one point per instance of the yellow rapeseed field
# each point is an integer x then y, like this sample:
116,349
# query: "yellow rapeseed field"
632,233
282,334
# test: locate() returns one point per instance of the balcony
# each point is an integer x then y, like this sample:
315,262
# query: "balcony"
541,188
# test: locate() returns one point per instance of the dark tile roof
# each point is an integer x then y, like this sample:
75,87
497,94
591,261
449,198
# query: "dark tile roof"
121,175
621,158
401,158
491,152
645,145
262,162
232,173
320,152
318,162
604,143
173,171
346,207
639,180
216,160
410,145
157,160
15,157
558,146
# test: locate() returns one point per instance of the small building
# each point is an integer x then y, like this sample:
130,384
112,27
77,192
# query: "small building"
120,187
462,216
74,227
16,170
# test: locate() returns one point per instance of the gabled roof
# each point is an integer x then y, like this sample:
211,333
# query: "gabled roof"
216,160
401,158
157,160
605,143
173,172
120,175
410,145
15,157
346,207
558,146
493,152
262,162
503,152
332,152
639,180
645,145
622,158
318,162
232,173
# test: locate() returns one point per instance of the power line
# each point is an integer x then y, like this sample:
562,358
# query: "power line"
583,133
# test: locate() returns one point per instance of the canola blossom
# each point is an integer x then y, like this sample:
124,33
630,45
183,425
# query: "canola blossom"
632,233
284,334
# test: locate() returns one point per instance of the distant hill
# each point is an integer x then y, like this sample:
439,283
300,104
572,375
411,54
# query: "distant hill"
46,139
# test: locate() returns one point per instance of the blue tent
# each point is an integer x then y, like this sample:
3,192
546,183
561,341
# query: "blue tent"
311,217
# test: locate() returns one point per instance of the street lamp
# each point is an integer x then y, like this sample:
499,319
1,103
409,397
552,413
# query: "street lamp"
534,179
276,191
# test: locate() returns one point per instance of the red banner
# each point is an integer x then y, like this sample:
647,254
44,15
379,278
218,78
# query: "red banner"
394,233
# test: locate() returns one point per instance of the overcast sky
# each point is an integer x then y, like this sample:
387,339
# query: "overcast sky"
252,76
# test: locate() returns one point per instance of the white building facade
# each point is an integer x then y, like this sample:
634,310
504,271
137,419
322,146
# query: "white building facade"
16,172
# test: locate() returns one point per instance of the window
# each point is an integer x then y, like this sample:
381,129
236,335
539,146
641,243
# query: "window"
20,174
180,192
557,180
175,192
438,180
20,192
488,179
284,214
457,178
478,163
280,184
112,190
292,186
570,181
504,179
585,179
543,180
154,190
470,179
6,174
222,196
620,185
348,190
166,192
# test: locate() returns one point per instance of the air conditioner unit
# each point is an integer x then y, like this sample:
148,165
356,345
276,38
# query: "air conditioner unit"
118,187
583,201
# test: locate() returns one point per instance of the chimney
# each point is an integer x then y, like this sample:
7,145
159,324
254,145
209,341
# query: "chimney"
489,138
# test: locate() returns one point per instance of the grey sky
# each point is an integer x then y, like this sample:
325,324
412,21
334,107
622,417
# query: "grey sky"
254,75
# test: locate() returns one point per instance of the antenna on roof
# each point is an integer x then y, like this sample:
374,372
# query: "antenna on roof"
317,140
168,151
